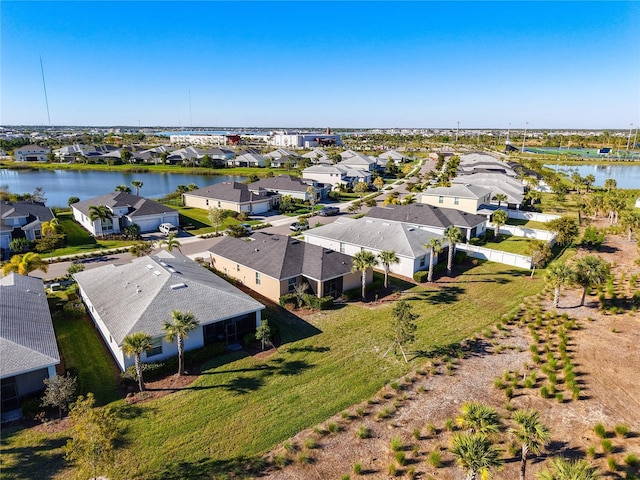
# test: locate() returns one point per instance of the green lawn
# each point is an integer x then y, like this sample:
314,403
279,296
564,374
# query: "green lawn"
242,406
510,243
197,222
81,348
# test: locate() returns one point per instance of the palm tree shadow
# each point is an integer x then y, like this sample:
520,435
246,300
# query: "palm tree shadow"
444,295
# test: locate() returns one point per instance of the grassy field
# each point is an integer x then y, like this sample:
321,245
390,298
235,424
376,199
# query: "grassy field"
82,349
197,222
510,243
241,406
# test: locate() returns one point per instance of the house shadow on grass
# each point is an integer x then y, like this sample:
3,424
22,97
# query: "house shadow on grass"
445,294
239,467
40,458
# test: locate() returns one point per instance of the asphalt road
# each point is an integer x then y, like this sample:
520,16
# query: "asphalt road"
194,247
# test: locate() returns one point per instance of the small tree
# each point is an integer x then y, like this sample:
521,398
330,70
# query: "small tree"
73,200
361,188
132,346
313,198
500,197
182,323
263,333
132,231
435,246
559,274
60,391
540,253
216,217
591,271
453,235
171,243
387,258
564,469
500,218
403,327
475,454
479,418
93,435
565,228
378,183
123,188
25,264
532,434
75,267
362,262
138,185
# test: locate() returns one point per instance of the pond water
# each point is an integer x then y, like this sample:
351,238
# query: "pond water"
59,185
626,176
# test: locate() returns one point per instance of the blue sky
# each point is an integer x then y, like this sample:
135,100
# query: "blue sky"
316,64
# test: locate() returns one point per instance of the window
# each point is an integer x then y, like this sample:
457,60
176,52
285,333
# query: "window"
156,347
440,199
292,284
422,260
237,267
219,204
207,201
456,200
258,278
341,247
38,234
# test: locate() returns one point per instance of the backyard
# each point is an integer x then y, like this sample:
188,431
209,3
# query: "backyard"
242,405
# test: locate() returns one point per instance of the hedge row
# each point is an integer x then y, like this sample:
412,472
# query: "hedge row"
324,303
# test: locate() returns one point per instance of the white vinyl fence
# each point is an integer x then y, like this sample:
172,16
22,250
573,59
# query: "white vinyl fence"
535,216
519,231
506,258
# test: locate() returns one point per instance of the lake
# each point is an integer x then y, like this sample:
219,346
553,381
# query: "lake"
626,176
59,185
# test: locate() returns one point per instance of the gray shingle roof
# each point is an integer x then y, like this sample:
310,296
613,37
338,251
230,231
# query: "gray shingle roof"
282,257
138,296
27,339
459,190
426,215
280,183
228,191
138,205
377,235
32,210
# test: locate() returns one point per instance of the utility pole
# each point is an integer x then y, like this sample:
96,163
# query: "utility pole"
629,137
457,132
525,135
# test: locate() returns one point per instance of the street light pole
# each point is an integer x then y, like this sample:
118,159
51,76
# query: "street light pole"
457,132
525,135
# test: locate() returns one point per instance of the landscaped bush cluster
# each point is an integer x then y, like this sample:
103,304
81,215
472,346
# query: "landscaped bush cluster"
324,303
592,237
159,369
421,276
74,310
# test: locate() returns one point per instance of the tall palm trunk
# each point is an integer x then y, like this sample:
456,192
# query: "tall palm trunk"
386,276
523,462
180,355
139,372
584,294
364,284
556,297
452,246
430,274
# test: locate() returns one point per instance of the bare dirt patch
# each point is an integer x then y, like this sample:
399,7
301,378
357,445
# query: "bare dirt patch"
605,353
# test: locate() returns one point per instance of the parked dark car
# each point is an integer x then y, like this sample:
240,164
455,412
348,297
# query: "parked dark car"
329,211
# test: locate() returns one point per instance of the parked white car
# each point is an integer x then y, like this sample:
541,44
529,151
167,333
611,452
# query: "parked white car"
167,229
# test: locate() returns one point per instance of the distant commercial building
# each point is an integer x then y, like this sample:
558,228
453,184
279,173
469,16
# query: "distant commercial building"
31,153
192,139
304,140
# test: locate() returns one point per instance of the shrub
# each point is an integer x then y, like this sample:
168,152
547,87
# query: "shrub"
607,446
305,458
611,464
357,469
416,433
396,444
74,310
363,432
544,392
393,470
632,460
450,425
435,459
600,430
420,276
559,397
621,430
311,443
591,452
288,299
333,427
401,458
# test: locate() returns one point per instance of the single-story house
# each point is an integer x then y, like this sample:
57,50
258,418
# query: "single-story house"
317,155
22,220
140,296
433,219
248,159
234,196
273,265
464,197
126,209
357,161
279,153
31,153
393,156
498,183
28,345
350,236
288,185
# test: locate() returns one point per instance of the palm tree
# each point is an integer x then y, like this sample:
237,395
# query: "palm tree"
183,323
500,218
453,235
52,227
630,219
610,184
532,434
101,213
564,469
387,258
500,197
138,184
25,264
591,271
171,243
362,262
588,181
435,246
123,188
475,454
479,418
559,274
132,346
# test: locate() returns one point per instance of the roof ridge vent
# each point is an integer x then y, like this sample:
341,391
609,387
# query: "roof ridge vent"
178,286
